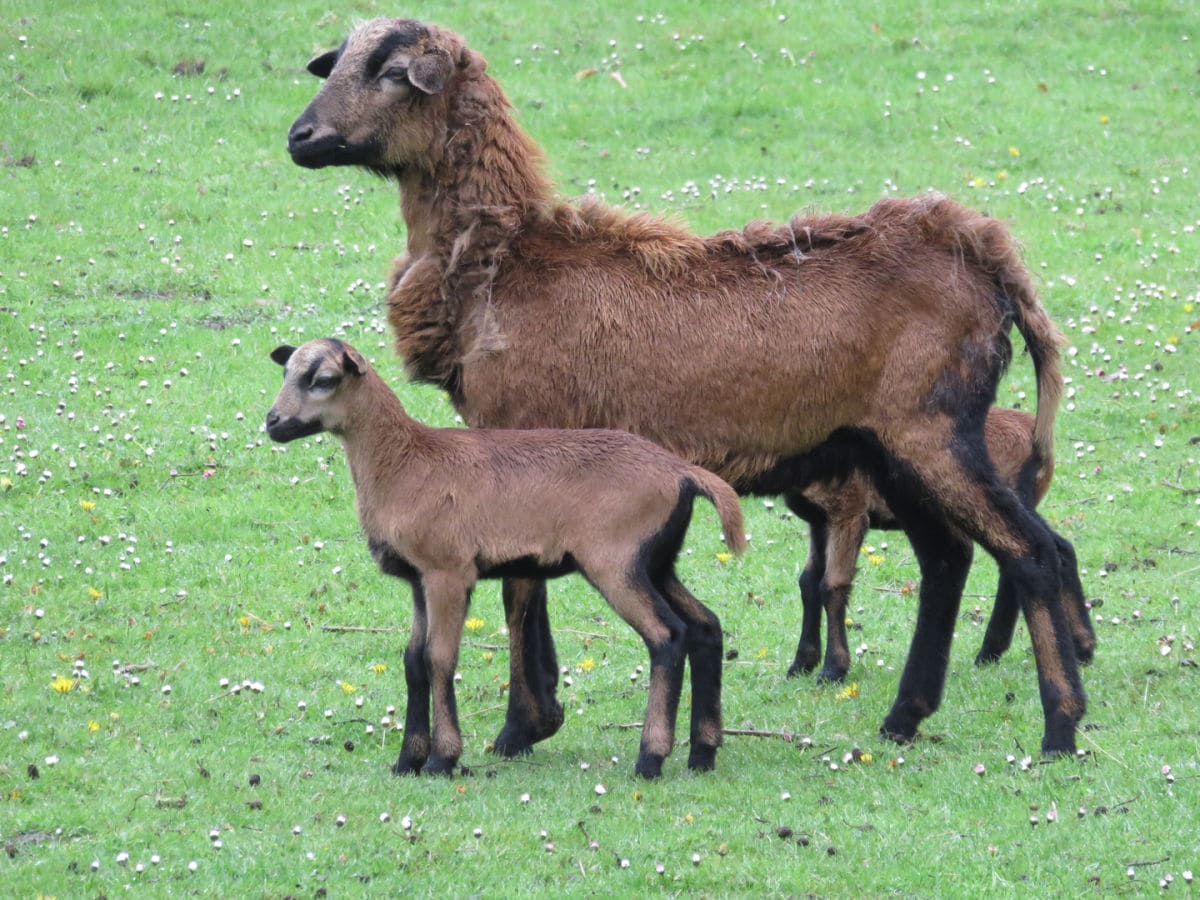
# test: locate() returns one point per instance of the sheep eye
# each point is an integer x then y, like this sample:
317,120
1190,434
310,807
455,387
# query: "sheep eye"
396,73
324,382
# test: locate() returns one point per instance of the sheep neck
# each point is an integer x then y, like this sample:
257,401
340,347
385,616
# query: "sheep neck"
462,212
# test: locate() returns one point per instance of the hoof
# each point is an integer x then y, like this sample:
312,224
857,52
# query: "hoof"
830,676
512,742
1060,743
986,658
804,663
439,766
407,765
898,729
649,766
702,759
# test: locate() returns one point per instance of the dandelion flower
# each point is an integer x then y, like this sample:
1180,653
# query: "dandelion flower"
348,687
587,664
849,692
723,558
63,684
474,623
379,668
95,594
87,505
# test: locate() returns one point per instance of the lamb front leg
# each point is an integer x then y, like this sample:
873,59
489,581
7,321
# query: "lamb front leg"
447,605
414,749
534,713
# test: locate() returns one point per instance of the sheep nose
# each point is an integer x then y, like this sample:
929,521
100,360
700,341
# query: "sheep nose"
272,419
301,131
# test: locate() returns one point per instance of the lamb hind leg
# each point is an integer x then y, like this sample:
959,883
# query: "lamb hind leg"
703,643
1003,622
843,540
534,713
632,595
808,650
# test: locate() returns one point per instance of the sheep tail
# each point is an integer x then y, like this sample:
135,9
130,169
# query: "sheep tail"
1042,339
728,506
988,245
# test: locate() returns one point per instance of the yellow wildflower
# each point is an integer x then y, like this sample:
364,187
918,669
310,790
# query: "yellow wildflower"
93,726
348,687
87,505
1104,120
723,558
588,664
849,692
474,623
761,653
94,594
876,559
5,482
379,668
1014,152
63,684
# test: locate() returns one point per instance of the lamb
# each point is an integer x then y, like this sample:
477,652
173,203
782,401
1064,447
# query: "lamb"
839,514
445,507
775,356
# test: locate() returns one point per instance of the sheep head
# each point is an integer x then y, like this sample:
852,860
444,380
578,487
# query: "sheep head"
382,106
316,380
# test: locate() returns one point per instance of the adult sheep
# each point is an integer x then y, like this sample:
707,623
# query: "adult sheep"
774,356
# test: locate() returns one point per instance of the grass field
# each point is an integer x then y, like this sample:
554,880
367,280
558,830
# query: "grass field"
198,659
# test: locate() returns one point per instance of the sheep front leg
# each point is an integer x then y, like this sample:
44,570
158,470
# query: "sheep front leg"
447,595
414,749
533,712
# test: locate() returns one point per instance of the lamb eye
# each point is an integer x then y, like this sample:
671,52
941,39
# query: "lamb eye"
324,382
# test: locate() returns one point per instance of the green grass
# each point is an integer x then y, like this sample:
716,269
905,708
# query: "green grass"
155,244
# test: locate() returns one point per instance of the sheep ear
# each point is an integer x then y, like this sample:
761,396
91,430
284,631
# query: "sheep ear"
431,72
282,354
322,65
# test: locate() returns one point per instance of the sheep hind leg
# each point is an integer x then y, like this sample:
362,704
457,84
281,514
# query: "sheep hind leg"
534,713
944,562
962,489
704,645
414,749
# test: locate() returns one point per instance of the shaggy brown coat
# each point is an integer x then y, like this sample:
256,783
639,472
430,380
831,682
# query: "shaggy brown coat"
839,514
772,355
445,507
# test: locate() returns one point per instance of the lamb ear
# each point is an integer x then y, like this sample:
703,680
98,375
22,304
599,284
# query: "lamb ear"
353,363
431,71
322,65
282,354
